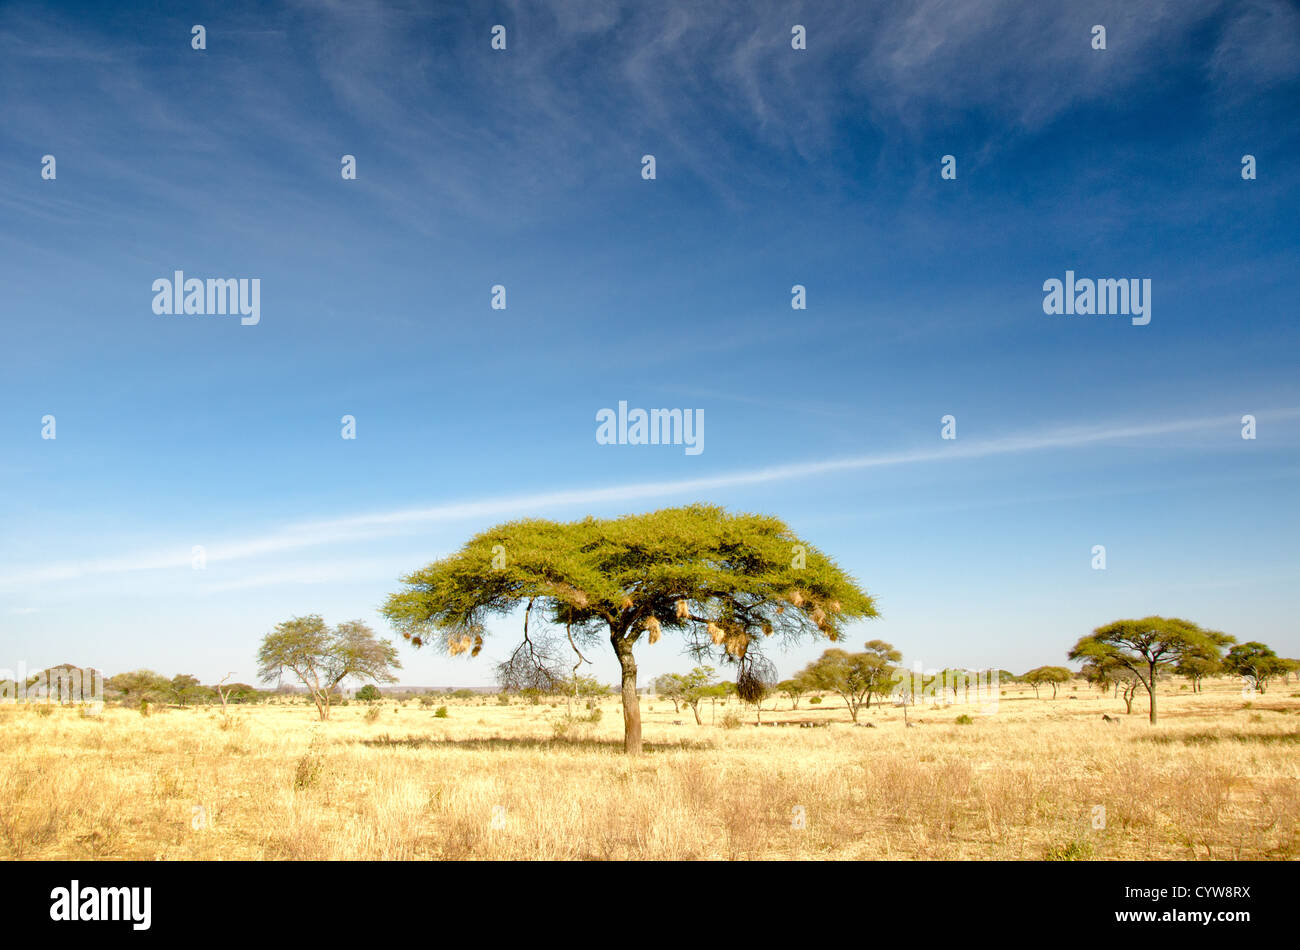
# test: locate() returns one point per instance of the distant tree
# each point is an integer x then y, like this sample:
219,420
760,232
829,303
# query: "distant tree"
792,689
855,677
1205,660
670,686
1254,662
185,689
322,658
1145,647
140,686
369,693
1291,666
697,685
1197,668
1049,675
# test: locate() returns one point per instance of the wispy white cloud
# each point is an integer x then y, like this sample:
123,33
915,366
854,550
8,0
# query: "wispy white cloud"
321,533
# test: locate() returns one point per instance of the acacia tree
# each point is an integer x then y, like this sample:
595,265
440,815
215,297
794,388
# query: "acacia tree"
1051,675
855,677
1254,662
669,686
724,582
1200,662
697,686
140,686
1106,672
1145,647
793,689
322,658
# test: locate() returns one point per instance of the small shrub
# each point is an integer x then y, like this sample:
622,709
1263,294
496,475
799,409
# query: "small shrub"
594,715
44,710
730,721
503,699
144,707
1073,851
310,766
440,712
813,701
372,714
964,720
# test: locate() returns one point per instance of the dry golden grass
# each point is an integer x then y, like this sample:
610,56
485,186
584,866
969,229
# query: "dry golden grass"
1214,779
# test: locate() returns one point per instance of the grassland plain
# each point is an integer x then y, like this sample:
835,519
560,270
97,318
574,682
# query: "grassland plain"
1218,778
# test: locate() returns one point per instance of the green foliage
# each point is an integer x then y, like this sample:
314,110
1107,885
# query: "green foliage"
463,694
964,720
792,689
1144,648
369,694
855,677
1076,850
440,712
139,686
583,686
1254,662
814,700
322,657
723,582
1049,675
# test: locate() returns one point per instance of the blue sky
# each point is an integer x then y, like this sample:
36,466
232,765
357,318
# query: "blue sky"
522,167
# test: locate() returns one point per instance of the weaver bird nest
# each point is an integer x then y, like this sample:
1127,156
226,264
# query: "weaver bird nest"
755,677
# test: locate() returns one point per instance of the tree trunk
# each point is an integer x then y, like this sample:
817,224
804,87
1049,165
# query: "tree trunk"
696,709
631,701
1151,688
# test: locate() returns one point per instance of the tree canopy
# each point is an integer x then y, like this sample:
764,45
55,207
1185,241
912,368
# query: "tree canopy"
1050,675
1254,662
322,657
855,677
1146,647
723,582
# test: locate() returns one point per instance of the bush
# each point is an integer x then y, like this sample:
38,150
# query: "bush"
372,714
426,700
503,699
813,701
1073,851
463,694
440,712
44,709
310,766
594,715
730,721
964,720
